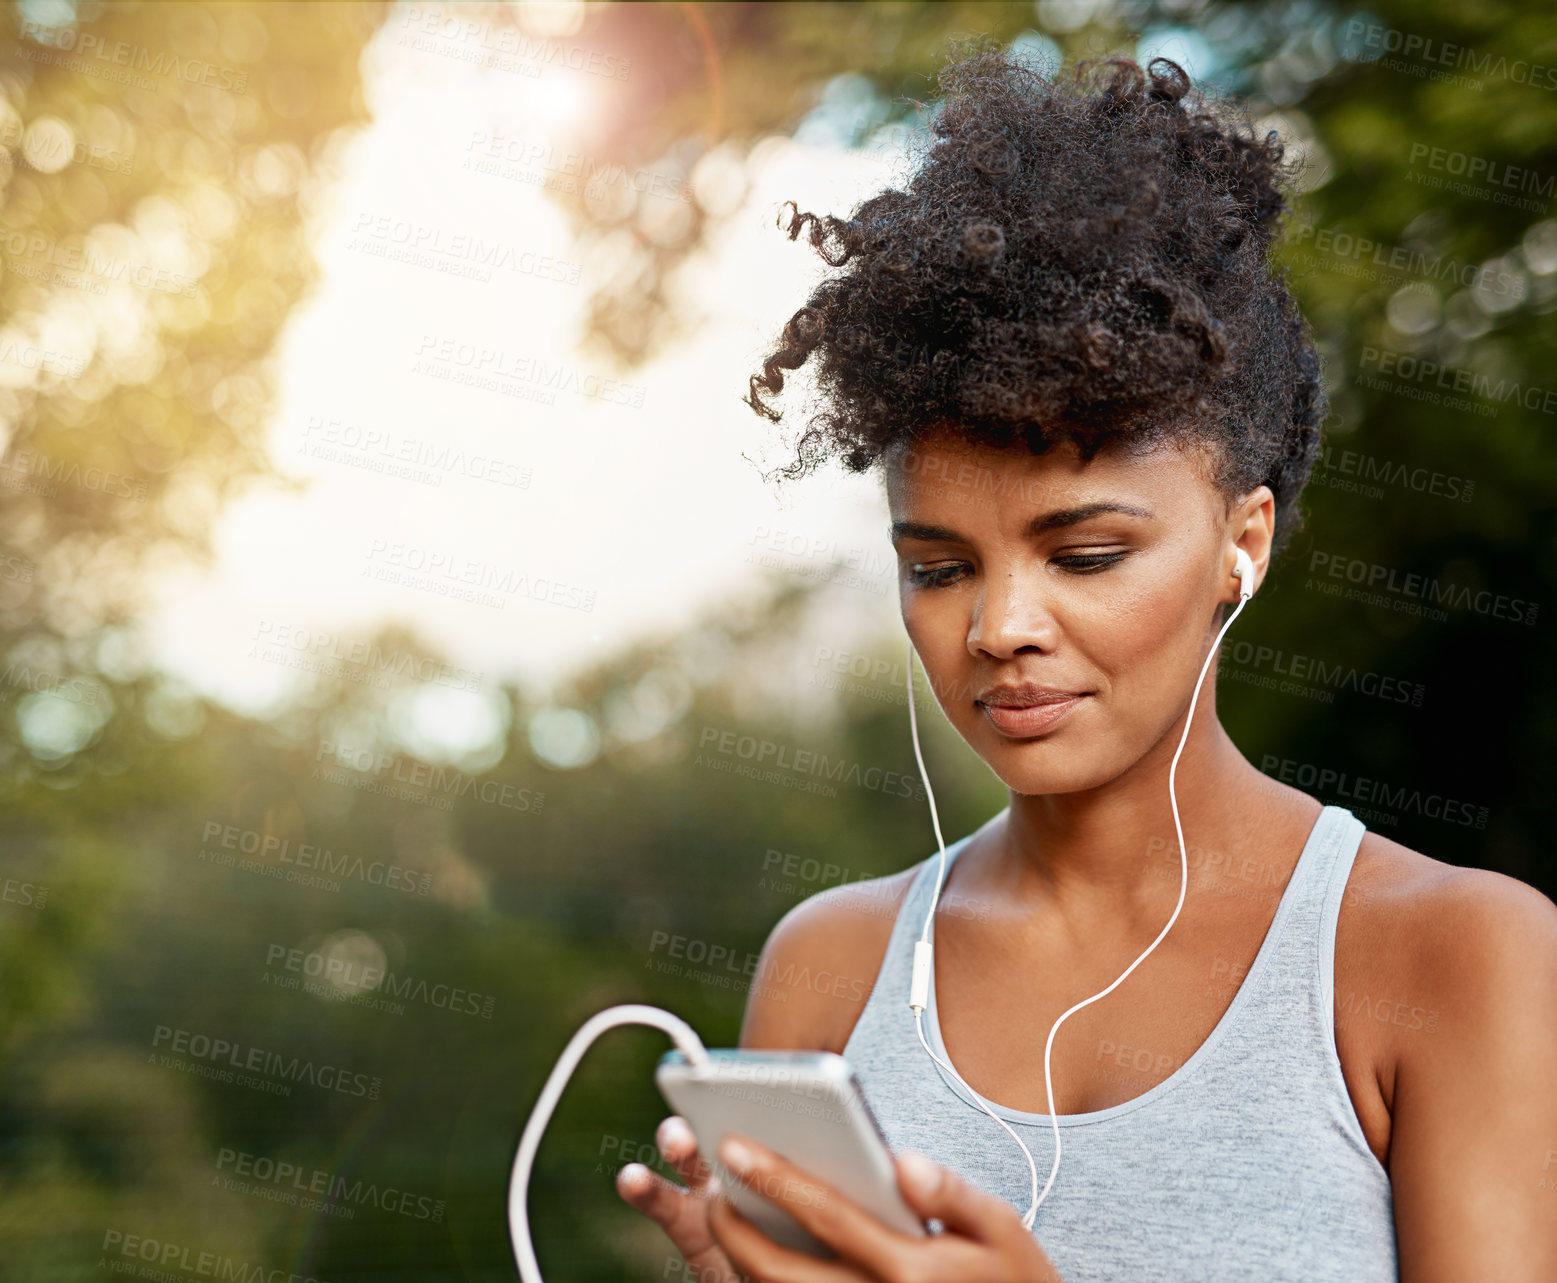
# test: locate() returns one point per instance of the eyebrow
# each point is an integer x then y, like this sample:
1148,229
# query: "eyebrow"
1060,517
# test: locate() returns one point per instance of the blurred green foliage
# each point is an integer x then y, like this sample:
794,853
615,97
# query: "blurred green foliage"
153,246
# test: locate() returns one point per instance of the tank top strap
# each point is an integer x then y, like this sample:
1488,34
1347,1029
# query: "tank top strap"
1305,925
911,914
886,1012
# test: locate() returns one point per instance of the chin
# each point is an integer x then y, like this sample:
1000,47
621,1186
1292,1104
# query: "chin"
1032,782
1048,764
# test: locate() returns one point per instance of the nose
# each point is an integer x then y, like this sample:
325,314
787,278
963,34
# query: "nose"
1011,614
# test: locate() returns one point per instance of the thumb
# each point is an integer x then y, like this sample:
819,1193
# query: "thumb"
918,1178
932,1190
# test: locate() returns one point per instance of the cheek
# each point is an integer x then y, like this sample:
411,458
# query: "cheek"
1137,634
938,628
1146,650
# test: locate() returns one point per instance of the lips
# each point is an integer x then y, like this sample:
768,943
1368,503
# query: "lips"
1023,711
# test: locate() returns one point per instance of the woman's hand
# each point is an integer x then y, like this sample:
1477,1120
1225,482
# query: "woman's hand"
984,1239
682,1212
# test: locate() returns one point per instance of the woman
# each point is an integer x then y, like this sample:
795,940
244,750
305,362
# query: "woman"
1087,389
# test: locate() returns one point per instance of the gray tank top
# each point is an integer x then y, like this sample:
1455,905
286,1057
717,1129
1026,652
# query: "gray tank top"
1248,1162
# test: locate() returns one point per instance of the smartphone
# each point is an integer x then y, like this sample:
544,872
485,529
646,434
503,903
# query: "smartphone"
805,1105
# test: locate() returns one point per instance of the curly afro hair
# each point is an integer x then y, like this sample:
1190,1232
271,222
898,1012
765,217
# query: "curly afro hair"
1082,257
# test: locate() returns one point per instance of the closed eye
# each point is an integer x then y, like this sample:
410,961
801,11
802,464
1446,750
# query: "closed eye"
933,575
924,575
1087,563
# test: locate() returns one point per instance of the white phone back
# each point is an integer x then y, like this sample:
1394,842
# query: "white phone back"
801,1104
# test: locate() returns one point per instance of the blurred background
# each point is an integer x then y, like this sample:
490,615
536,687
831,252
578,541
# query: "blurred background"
390,599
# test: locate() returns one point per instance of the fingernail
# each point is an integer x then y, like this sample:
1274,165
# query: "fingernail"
736,1156
924,1175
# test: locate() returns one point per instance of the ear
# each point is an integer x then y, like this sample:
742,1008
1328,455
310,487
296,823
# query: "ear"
1252,523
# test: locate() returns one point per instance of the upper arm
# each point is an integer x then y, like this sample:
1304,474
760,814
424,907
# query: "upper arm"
1473,1152
819,965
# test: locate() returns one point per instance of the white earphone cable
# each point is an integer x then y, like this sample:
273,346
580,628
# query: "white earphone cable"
632,1013
923,949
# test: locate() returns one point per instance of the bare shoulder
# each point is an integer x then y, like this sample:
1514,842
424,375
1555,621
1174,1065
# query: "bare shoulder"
1447,938
820,963
1466,1054
1458,916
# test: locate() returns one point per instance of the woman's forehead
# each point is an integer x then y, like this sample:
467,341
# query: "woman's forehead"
959,467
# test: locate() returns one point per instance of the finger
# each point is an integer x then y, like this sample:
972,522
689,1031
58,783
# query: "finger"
650,1193
678,1147
839,1222
933,1190
757,1256
681,1213
969,1213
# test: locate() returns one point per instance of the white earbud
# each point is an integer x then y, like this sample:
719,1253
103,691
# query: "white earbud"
1244,569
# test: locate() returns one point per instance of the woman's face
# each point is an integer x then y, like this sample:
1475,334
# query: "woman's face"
1100,581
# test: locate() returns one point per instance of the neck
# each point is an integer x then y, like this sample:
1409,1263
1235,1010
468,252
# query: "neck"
1115,849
